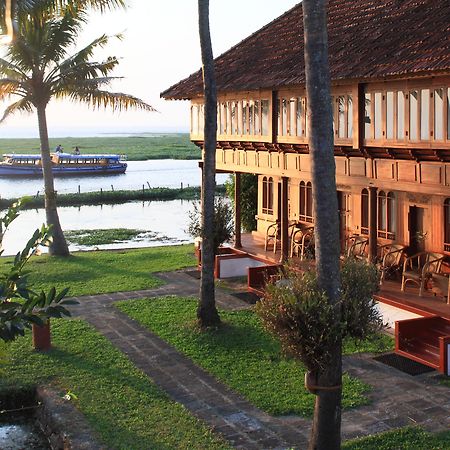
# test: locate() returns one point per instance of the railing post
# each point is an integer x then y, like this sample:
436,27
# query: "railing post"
373,223
237,210
284,220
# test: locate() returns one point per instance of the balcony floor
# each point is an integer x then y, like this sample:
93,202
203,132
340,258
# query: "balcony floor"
389,292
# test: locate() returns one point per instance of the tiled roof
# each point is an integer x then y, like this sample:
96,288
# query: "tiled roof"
368,39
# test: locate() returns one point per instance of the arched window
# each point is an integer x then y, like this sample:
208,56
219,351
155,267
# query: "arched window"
365,211
447,225
306,203
386,215
267,199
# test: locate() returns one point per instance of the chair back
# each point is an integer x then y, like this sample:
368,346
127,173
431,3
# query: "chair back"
434,262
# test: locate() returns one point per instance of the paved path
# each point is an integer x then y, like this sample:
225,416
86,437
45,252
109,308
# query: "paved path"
397,399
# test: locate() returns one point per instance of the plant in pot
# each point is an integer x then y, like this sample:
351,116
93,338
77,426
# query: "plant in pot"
223,224
22,308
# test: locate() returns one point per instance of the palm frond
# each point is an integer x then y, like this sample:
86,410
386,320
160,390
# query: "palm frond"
9,87
117,101
22,105
9,69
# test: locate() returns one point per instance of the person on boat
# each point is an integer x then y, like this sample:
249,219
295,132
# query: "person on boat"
58,148
76,151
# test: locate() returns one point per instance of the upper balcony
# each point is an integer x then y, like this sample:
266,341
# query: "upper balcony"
406,119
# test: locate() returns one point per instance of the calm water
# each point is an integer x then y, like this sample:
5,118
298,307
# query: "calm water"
156,173
167,221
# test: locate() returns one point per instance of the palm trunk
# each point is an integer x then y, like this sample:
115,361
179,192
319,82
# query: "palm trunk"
326,430
207,312
59,245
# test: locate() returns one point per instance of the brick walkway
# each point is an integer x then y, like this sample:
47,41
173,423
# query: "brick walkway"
397,399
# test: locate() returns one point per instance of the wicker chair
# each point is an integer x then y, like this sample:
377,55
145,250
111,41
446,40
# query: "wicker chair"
420,267
441,285
390,259
272,236
302,243
356,247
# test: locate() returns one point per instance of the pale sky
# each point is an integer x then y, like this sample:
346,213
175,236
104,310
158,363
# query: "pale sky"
160,47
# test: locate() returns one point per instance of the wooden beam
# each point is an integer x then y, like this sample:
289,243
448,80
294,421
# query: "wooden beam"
237,210
373,223
284,220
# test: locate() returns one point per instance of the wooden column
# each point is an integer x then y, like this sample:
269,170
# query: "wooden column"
284,220
373,223
237,210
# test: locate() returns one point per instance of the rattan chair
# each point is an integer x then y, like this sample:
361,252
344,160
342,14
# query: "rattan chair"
420,267
272,236
390,259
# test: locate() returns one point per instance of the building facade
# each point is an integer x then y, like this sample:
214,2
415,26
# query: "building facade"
390,73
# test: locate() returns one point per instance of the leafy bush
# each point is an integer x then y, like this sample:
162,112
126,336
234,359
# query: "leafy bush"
298,313
223,222
20,306
248,200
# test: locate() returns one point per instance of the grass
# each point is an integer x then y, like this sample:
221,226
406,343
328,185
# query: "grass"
102,236
90,273
113,197
121,404
408,438
136,147
240,354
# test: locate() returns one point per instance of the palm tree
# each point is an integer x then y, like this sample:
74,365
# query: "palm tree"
207,312
38,67
327,414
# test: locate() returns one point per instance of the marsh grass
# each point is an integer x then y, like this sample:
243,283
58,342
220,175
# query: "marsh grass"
102,236
136,147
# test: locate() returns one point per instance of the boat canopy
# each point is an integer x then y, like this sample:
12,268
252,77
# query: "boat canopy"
86,156
22,157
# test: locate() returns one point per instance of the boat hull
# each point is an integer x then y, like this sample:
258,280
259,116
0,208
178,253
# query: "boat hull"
14,171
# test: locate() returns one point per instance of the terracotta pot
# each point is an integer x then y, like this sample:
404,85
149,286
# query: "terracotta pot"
41,337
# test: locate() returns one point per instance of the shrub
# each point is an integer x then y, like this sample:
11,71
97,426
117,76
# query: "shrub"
298,313
223,222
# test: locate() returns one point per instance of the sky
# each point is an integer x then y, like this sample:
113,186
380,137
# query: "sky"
160,47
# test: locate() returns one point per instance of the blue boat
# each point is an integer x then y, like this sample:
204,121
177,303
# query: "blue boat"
63,164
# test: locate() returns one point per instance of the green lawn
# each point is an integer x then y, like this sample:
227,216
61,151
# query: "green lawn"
119,401
89,273
240,354
136,147
403,439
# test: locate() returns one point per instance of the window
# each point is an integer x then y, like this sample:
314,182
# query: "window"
378,122
349,116
386,217
390,115
264,117
365,211
300,117
425,115
306,206
341,116
413,115
439,114
194,119
447,225
400,115
267,200
368,116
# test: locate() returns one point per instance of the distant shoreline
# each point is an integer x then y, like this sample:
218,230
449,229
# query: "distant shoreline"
137,146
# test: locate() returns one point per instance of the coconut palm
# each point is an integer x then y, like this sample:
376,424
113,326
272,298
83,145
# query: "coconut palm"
327,414
207,312
38,67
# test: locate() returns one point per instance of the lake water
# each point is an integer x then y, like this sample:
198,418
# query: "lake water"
166,220
156,173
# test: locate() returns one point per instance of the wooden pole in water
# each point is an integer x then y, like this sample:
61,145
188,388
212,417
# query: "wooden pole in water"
79,189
